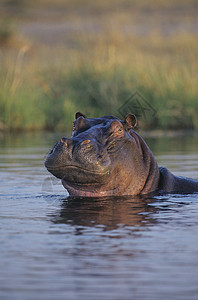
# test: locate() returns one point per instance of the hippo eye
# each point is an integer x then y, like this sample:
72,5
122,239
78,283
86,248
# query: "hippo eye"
119,130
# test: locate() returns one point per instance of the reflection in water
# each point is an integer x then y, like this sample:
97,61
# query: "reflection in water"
110,212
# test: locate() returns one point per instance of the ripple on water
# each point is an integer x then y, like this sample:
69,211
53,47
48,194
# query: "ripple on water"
54,247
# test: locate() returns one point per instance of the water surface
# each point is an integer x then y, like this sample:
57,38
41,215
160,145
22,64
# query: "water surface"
55,247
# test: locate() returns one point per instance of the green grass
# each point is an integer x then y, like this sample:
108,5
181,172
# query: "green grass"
42,87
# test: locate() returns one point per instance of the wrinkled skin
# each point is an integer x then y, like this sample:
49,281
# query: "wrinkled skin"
105,157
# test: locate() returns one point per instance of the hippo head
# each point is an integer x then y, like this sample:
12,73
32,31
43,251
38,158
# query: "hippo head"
103,157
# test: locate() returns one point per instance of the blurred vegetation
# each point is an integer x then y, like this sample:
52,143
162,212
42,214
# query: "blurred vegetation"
42,84
6,31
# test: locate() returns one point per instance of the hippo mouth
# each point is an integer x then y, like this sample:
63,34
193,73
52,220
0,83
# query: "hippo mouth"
86,188
97,187
76,175
83,182
80,176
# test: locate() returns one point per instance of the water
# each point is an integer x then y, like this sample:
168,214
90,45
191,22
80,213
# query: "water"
54,247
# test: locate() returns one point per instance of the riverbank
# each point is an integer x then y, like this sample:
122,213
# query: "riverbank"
98,60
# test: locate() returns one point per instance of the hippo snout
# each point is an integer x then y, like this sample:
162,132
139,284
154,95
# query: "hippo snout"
55,156
90,154
84,148
70,153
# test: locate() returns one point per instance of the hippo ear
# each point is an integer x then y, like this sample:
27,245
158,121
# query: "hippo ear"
79,114
130,121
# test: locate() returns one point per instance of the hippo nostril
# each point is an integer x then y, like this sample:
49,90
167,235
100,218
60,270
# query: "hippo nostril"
85,142
63,140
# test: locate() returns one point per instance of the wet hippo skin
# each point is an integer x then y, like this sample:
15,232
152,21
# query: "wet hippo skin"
106,157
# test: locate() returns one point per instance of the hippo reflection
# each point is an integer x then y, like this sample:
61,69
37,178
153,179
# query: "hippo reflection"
110,212
105,157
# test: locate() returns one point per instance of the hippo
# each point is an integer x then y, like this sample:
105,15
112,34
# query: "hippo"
106,157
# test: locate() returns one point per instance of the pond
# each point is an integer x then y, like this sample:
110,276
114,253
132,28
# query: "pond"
55,247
